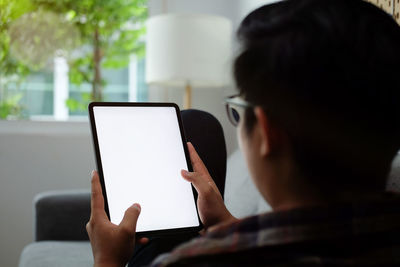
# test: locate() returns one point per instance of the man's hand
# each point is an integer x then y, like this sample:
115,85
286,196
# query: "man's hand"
212,209
112,244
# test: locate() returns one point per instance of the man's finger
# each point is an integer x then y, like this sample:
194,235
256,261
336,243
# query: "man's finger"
97,200
143,240
197,163
199,183
131,216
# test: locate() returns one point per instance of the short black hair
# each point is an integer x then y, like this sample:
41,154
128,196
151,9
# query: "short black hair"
327,72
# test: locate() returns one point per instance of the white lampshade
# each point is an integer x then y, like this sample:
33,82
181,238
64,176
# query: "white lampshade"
182,49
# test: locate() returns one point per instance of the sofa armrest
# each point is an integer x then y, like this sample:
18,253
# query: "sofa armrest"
61,215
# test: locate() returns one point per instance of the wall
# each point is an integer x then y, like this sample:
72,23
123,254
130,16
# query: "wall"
37,157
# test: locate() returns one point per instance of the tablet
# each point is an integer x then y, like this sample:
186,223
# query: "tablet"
140,151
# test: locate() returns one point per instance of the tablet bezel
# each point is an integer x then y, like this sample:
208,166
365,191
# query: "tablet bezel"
100,167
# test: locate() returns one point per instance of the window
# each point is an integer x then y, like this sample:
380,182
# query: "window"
37,92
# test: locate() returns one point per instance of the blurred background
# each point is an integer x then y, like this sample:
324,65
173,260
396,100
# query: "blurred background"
55,57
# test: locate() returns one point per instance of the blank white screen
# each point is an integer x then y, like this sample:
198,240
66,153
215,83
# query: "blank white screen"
142,156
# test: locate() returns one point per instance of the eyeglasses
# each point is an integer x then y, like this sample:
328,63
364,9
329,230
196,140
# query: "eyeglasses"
235,107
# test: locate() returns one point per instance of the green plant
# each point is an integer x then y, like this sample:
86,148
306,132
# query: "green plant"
10,106
110,31
12,70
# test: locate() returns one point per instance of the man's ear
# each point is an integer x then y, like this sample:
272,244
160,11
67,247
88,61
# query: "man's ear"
262,128
269,136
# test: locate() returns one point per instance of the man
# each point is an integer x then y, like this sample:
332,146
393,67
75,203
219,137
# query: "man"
318,122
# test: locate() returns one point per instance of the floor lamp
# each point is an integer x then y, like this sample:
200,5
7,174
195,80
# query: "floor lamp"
188,51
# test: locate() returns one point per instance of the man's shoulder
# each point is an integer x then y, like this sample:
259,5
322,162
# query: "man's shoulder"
335,234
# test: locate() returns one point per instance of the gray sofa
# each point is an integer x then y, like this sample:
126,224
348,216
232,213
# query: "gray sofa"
60,235
61,216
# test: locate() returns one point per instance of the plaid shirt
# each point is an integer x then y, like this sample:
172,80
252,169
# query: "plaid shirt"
344,234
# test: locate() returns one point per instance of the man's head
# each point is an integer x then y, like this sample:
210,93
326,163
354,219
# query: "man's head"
323,76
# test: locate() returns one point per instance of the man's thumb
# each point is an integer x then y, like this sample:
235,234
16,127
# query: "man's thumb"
131,216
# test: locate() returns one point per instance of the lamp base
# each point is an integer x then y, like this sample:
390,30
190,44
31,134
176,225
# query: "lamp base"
187,99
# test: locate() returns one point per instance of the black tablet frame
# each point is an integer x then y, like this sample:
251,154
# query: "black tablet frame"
173,231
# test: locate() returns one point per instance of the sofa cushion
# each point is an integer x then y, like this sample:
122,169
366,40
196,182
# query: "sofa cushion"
243,199
57,254
62,215
241,195
393,183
